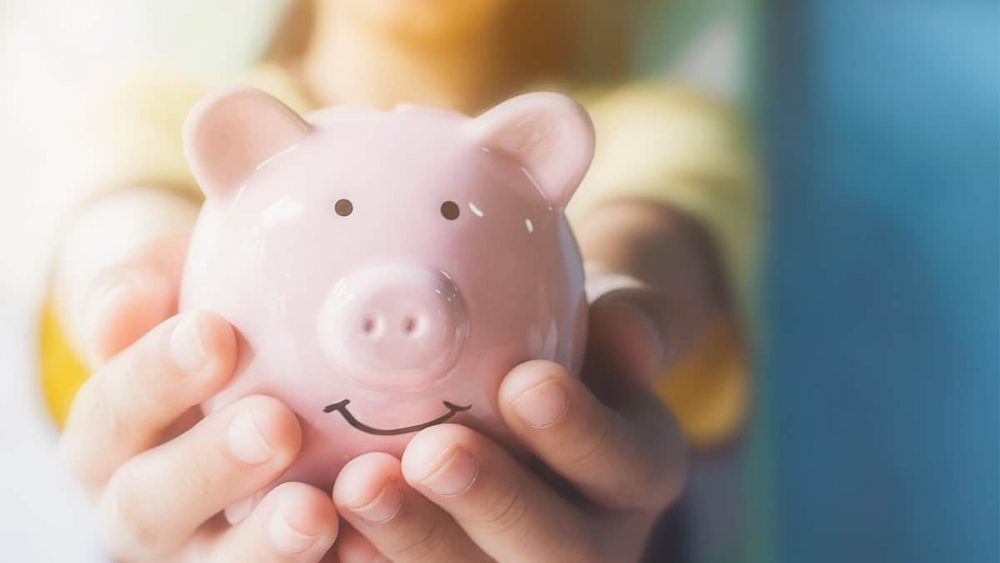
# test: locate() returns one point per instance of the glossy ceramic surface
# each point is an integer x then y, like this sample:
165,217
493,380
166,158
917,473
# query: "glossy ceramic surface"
385,270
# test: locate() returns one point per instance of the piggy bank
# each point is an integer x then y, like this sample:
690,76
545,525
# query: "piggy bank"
385,270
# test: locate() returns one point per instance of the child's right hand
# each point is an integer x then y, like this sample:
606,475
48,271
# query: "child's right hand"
159,471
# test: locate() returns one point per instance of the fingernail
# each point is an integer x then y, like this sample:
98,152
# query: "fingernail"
286,538
186,347
383,507
246,441
542,405
454,474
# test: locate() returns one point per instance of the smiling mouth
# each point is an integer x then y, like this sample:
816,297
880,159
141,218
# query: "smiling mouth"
341,407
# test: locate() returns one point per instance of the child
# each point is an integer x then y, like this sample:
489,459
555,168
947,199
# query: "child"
664,221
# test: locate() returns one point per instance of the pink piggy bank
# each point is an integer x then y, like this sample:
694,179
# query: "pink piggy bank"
385,270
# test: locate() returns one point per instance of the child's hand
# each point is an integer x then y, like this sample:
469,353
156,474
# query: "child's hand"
160,472
613,455
617,459
136,440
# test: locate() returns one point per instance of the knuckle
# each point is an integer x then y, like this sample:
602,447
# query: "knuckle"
647,485
143,367
505,512
79,460
424,545
85,427
143,387
196,480
588,551
656,479
667,466
123,402
127,525
669,485
593,444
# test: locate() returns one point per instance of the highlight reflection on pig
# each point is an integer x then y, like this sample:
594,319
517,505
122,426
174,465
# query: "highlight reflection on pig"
385,270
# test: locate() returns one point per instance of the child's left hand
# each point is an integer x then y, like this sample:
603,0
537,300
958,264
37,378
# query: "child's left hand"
617,458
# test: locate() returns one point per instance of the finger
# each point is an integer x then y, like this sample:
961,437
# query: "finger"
352,547
631,335
507,511
155,502
124,408
143,229
630,460
129,299
402,524
294,523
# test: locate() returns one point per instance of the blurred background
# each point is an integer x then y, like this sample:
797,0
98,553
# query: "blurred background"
876,434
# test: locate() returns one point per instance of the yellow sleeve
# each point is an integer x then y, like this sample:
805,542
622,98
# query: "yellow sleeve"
131,132
131,136
677,148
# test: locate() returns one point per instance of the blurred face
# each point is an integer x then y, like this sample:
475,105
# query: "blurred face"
427,19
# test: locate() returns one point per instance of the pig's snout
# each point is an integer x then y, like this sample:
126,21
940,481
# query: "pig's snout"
396,326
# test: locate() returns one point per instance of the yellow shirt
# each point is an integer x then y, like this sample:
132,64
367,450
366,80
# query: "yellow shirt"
655,142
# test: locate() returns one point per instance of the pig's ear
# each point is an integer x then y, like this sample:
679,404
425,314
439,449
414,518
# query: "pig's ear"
230,133
549,133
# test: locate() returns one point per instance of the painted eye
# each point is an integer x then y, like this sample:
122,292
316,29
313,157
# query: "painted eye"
343,207
450,210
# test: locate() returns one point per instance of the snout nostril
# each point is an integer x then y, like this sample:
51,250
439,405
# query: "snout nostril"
410,325
369,326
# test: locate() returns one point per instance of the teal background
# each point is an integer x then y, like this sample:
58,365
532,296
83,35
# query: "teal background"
882,297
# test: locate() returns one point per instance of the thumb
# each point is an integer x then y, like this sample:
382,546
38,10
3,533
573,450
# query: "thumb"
629,329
